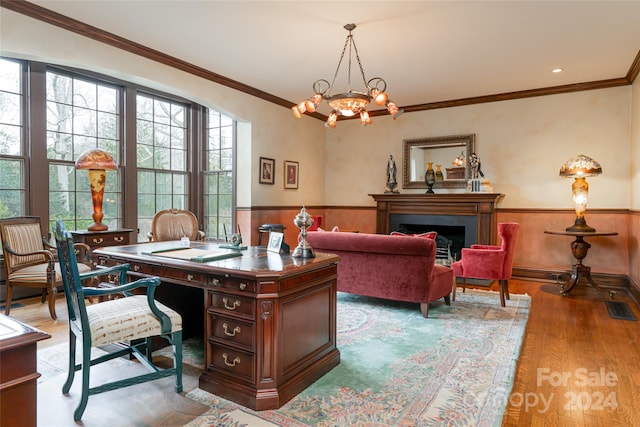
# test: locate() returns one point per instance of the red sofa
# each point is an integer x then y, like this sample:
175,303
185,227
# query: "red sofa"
399,268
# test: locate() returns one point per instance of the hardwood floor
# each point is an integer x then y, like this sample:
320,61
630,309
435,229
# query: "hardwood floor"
577,367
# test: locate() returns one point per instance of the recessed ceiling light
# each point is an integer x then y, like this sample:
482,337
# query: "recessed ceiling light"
557,70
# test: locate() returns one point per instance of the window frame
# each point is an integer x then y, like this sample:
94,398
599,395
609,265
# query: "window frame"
35,147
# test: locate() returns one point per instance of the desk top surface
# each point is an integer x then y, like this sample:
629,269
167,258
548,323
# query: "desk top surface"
15,333
254,260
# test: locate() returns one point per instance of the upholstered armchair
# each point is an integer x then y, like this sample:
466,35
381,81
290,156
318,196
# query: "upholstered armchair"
131,322
489,262
30,261
173,224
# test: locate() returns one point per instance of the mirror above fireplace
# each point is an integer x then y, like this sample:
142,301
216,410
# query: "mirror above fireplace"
450,152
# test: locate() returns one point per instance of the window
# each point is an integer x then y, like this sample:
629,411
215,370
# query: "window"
49,115
218,176
81,114
12,147
162,158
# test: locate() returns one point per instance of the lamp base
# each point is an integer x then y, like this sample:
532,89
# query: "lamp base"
580,226
97,227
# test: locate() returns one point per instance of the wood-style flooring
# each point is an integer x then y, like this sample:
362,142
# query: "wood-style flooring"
577,367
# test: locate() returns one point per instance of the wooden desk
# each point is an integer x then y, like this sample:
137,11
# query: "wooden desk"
579,249
18,375
269,322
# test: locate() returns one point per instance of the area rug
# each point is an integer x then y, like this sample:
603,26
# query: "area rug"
455,368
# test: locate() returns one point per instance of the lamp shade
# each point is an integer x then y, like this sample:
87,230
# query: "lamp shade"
580,166
96,159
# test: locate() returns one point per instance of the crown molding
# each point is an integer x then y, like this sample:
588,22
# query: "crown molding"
45,15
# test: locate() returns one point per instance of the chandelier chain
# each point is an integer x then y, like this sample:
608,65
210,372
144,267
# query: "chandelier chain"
344,49
364,79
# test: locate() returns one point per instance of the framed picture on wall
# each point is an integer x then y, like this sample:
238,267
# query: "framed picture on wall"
291,173
267,170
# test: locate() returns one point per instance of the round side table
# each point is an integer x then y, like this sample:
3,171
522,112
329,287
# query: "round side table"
579,249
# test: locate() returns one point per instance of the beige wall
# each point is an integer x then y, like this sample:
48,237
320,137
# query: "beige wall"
634,223
521,143
265,129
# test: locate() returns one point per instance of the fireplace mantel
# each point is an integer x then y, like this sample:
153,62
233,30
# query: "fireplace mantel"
479,205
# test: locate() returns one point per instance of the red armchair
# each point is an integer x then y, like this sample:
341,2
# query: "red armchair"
489,262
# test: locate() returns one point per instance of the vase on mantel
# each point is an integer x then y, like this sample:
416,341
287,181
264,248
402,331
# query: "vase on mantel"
430,178
439,176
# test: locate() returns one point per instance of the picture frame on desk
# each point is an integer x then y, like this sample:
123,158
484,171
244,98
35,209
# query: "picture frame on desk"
267,170
275,241
291,173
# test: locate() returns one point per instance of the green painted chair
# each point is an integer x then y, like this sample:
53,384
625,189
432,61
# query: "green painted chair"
132,319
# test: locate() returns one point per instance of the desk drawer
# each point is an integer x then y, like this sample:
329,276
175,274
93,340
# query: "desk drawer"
165,273
233,284
98,239
108,240
233,305
237,363
233,330
170,274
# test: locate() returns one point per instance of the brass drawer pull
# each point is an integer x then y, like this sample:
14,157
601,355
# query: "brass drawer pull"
233,333
236,304
97,240
234,362
243,286
136,268
189,277
118,239
215,282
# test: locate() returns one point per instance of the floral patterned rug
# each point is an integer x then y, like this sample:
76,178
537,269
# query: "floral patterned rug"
455,368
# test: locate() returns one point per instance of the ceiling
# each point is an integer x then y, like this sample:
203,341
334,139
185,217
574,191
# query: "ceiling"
427,51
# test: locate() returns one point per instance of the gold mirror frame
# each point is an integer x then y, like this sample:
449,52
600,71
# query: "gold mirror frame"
445,150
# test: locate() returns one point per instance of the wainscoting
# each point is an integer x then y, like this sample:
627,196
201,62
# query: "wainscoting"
613,260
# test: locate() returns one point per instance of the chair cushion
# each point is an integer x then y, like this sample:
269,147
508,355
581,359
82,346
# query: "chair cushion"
127,319
24,238
38,273
172,224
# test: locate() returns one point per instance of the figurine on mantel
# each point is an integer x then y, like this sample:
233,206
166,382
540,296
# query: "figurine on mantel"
475,184
475,164
392,183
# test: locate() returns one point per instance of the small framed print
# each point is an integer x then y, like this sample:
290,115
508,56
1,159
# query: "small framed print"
275,241
267,170
291,174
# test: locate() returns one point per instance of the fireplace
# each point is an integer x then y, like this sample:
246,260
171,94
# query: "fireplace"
454,231
463,218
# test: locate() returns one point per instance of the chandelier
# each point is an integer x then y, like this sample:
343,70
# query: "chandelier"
351,102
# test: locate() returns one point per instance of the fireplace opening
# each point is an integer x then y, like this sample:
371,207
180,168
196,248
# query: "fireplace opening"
449,241
454,231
